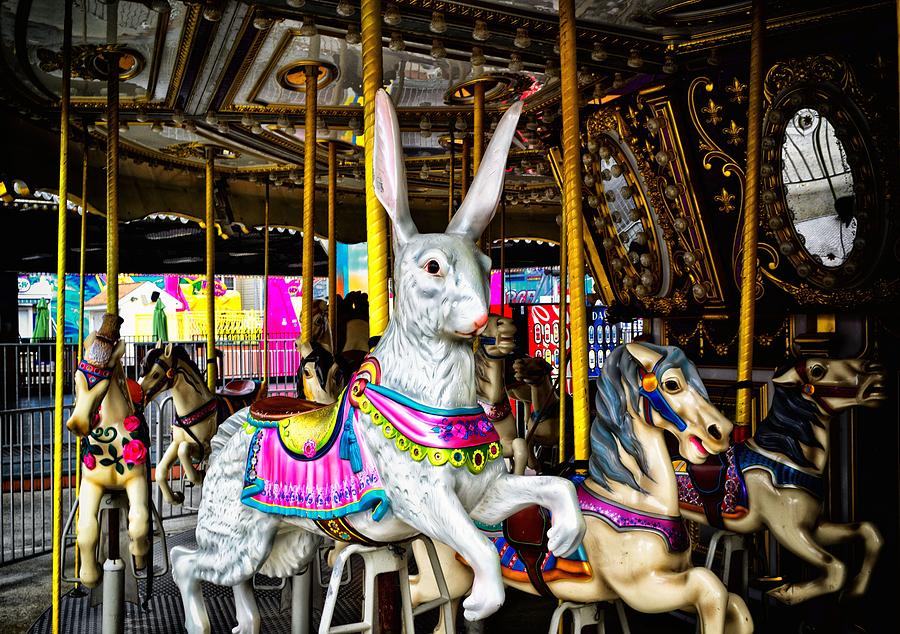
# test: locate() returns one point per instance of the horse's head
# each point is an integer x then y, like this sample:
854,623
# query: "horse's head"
320,378
835,384
103,351
646,384
499,337
158,372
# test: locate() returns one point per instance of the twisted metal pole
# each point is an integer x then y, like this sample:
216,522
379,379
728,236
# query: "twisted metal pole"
478,126
332,245
574,227
210,272
744,413
309,199
376,221
58,378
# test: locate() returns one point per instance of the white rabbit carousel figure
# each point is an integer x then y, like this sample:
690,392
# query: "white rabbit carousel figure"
406,450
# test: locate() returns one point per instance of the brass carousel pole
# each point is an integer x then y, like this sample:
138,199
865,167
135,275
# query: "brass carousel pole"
266,289
478,126
309,199
112,183
744,414
503,255
61,312
211,378
376,222
332,245
452,186
464,167
574,226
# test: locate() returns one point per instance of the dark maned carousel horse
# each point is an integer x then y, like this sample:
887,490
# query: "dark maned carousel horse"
775,480
198,411
323,373
636,547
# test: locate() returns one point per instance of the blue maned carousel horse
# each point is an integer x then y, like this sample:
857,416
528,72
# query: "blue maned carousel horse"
775,480
198,411
636,547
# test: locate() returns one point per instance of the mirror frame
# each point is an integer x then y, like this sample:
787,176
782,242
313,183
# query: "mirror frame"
826,85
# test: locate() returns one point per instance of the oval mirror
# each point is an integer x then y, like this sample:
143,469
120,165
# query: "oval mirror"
818,185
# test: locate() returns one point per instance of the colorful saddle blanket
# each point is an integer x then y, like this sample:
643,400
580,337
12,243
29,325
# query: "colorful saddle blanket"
294,467
310,463
784,476
521,543
715,488
623,519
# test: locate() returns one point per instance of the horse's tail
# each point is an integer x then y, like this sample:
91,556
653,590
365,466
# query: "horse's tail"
227,429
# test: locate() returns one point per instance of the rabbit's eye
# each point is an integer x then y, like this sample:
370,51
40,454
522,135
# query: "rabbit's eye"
432,267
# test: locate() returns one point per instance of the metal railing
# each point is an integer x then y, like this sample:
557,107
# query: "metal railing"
26,430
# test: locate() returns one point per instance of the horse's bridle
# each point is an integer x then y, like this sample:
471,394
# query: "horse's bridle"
817,393
93,374
169,371
653,398
485,340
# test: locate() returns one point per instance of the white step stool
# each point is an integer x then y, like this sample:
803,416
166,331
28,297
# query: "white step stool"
376,561
732,542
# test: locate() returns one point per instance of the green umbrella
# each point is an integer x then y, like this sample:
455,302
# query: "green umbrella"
41,320
160,323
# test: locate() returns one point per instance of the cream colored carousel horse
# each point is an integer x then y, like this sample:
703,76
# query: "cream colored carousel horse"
198,411
776,479
114,447
322,373
496,343
636,547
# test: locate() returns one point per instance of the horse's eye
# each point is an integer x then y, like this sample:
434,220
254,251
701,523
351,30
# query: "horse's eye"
432,267
671,385
817,371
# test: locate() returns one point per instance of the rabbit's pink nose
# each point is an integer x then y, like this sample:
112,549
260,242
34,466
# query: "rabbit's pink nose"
481,322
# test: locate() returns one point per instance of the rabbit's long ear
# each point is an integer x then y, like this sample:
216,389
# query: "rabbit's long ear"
389,169
483,196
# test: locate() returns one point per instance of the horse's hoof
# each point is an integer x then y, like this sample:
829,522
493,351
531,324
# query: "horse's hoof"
482,603
563,540
783,593
90,578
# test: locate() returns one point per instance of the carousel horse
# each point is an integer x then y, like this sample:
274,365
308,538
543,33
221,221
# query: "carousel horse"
775,480
405,451
495,344
542,426
322,375
198,411
115,444
636,547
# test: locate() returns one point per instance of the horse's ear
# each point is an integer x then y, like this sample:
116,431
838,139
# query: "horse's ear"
168,349
118,352
643,355
158,344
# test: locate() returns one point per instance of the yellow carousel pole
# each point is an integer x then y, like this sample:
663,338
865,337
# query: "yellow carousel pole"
744,414
574,227
266,291
60,312
376,221
211,378
332,244
309,199
112,190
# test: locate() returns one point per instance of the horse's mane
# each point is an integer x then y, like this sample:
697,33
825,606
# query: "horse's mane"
178,352
612,426
789,423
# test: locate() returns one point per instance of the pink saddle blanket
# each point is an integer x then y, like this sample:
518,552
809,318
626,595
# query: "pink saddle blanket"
317,485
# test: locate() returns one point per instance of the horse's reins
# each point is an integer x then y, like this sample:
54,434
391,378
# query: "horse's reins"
654,399
817,393
185,422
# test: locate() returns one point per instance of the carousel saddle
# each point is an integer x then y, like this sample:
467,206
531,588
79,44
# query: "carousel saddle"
306,429
238,388
521,543
715,487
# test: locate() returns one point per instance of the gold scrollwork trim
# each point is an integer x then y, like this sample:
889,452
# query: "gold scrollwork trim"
185,46
882,291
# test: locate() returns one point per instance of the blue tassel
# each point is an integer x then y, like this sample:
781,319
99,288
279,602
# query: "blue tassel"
350,445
